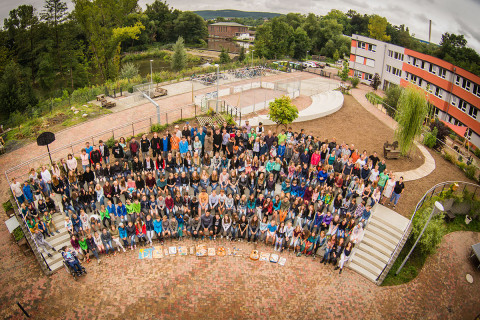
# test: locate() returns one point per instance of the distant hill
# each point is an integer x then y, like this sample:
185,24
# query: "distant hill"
212,14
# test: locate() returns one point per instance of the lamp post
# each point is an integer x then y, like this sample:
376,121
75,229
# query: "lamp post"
440,208
218,71
151,77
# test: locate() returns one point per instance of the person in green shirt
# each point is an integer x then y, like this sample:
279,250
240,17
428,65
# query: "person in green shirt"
105,216
282,136
130,211
84,247
382,166
382,180
270,165
252,133
47,217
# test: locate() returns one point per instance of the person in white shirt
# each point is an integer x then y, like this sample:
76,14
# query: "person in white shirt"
47,177
17,190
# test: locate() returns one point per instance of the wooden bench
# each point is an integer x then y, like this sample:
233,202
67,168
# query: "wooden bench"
108,104
100,97
390,150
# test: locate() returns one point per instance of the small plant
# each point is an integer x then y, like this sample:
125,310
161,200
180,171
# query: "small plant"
157,127
7,206
430,138
18,234
470,172
476,152
229,119
461,165
110,142
449,158
355,81
210,112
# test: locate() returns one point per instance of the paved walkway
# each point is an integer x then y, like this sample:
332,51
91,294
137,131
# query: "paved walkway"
427,167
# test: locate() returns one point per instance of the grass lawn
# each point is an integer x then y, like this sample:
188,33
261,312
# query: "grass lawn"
416,261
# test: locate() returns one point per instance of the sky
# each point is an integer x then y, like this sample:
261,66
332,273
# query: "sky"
454,16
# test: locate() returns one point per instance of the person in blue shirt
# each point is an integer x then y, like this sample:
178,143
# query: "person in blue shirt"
281,150
286,186
158,228
70,257
271,232
366,215
183,147
122,233
121,212
88,149
322,176
165,145
27,191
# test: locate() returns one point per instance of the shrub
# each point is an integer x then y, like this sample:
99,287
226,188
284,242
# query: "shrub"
229,119
355,81
157,127
430,139
432,236
470,172
110,142
461,165
7,205
18,234
476,152
449,157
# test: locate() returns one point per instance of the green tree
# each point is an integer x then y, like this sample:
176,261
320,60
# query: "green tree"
434,232
16,93
377,27
241,55
161,26
411,112
282,111
224,56
55,13
274,39
179,58
375,82
301,43
336,55
390,102
191,27
103,24
345,71
128,71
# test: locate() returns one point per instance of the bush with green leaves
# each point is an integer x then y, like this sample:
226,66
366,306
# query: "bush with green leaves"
179,58
390,102
430,139
157,127
476,152
129,71
470,171
282,111
434,232
355,81
345,71
110,143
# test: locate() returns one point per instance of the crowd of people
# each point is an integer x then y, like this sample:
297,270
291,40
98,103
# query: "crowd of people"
290,190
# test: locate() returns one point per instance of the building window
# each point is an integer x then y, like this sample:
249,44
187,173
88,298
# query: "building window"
389,69
476,90
390,53
394,71
361,44
359,59
429,87
466,84
438,92
457,80
413,78
368,76
473,112
398,56
372,47
370,63
432,69
463,105
442,73
454,101
357,74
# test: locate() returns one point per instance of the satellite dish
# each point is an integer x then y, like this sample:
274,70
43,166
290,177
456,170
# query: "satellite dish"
45,138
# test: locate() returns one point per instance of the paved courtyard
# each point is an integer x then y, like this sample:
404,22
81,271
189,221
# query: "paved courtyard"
188,287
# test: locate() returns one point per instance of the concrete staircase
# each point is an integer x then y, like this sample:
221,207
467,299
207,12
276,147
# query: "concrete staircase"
58,241
376,253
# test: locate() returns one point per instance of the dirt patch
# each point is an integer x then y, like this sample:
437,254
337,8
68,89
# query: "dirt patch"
301,102
57,119
353,124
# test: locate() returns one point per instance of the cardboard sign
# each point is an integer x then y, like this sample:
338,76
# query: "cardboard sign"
182,251
172,251
211,252
264,256
282,261
157,253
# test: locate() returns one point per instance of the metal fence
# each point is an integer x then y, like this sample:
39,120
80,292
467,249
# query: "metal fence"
462,186
130,129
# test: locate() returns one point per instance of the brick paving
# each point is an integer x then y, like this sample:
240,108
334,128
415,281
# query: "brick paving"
237,288
227,287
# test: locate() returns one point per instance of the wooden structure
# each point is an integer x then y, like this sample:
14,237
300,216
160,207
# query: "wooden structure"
159,92
107,104
100,97
390,150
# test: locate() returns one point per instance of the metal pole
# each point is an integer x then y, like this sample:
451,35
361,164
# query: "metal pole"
438,206
151,78
133,130
216,106
50,156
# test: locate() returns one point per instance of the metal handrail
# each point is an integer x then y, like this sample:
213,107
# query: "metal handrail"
70,145
420,203
18,213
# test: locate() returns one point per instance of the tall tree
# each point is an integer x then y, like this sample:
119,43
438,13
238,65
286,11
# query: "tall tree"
179,58
411,112
377,27
103,23
54,13
224,56
301,43
16,93
191,27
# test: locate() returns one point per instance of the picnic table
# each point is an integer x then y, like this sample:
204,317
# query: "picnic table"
100,97
390,151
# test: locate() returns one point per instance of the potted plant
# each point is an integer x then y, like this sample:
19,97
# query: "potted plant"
8,207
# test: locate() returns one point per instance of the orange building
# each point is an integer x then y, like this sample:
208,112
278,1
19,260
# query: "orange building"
226,30
453,91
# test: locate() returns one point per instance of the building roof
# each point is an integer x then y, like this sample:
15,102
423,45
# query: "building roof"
231,24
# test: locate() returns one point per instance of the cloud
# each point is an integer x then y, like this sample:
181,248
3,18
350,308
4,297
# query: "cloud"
467,30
